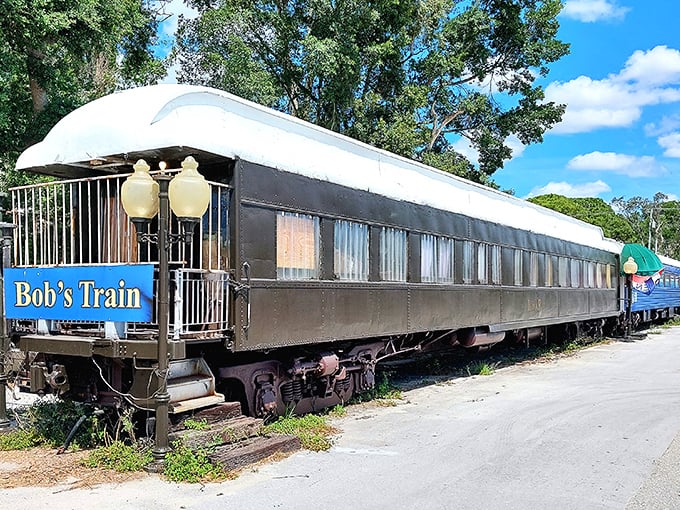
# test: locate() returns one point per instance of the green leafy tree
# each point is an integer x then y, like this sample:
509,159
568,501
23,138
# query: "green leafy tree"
656,222
591,210
408,76
56,55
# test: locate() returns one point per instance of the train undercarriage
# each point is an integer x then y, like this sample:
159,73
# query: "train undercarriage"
300,380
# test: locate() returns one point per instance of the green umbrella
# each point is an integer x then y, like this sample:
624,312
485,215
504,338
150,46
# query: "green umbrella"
647,261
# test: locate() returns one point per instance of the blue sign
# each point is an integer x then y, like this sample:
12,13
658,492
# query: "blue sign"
90,293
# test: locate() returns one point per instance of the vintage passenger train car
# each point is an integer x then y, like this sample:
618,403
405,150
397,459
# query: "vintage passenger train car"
319,256
663,300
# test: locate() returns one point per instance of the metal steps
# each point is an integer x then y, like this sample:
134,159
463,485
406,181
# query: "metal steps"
191,386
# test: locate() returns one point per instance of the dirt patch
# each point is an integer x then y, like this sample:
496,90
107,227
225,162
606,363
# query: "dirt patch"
42,467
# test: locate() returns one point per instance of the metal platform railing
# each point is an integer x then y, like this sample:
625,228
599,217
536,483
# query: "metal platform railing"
82,221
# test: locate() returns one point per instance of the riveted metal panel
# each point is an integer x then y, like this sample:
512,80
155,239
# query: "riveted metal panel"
573,302
294,313
522,304
445,307
258,241
602,300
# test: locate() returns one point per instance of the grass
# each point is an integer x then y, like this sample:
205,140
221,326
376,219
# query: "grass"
183,464
384,393
313,430
481,368
119,456
192,424
675,321
20,439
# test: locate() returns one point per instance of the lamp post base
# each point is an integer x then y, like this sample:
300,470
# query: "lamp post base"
155,466
4,421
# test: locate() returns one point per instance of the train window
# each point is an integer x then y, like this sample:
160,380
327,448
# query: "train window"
482,266
518,268
548,271
428,258
589,270
445,260
599,275
297,246
563,272
608,276
468,261
350,260
436,259
575,273
496,265
393,255
533,269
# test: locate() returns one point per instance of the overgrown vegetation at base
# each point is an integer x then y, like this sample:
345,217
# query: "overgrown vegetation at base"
675,321
50,422
182,464
193,424
115,447
384,392
20,439
312,429
481,368
119,456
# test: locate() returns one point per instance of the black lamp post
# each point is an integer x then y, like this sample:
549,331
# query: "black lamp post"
143,196
6,241
630,267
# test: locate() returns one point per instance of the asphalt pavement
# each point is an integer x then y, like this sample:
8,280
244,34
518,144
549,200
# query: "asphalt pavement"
596,430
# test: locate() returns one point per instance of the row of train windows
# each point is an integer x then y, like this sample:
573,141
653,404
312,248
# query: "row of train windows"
670,280
297,257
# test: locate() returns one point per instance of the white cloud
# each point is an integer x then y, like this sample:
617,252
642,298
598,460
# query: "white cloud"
590,11
588,189
666,125
648,78
515,145
624,164
671,144
463,146
174,8
658,66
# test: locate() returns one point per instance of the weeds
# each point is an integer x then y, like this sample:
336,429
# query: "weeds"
312,430
49,422
337,411
119,457
193,424
183,464
675,321
480,368
20,439
384,390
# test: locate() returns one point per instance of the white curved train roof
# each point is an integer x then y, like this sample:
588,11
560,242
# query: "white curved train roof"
214,121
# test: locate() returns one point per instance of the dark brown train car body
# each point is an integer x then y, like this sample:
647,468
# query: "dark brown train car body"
286,313
281,342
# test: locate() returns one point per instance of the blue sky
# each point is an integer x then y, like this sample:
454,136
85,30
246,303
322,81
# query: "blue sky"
620,135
